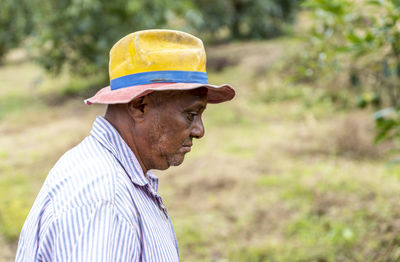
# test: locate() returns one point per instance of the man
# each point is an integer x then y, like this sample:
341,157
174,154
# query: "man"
100,201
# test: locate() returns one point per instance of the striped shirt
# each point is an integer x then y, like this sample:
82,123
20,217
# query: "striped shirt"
97,205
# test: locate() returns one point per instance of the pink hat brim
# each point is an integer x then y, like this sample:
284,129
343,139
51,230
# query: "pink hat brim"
216,94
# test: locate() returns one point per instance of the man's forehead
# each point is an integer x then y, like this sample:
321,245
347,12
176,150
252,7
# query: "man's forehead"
180,97
195,95
198,92
191,98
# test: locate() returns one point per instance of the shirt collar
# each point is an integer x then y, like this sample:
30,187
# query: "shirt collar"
109,137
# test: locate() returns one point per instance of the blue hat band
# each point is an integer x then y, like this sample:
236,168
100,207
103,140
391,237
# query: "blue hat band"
170,76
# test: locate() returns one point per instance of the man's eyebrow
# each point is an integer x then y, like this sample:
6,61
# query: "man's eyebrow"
196,106
200,107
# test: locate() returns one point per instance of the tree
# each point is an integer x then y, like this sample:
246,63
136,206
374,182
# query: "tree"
78,33
362,39
243,18
15,24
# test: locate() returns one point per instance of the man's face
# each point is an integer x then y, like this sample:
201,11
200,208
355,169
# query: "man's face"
172,121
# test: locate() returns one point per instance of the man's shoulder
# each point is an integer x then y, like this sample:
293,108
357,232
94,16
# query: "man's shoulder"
86,155
89,159
84,175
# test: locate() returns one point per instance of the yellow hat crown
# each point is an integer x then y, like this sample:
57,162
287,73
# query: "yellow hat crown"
157,56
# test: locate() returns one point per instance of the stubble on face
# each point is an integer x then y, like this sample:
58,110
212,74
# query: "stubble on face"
160,140
177,158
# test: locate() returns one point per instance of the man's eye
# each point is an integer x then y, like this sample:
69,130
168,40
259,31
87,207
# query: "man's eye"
191,115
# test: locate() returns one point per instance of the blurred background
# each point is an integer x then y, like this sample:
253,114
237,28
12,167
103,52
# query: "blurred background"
300,166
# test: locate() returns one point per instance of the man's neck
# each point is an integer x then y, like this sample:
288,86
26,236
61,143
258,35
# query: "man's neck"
125,129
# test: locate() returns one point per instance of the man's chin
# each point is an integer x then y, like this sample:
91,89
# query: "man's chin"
176,160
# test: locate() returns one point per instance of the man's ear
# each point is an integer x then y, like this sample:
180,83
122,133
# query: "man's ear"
136,108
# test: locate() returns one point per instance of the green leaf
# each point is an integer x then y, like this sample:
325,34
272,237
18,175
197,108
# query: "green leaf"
376,2
384,127
354,38
343,49
384,113
369,37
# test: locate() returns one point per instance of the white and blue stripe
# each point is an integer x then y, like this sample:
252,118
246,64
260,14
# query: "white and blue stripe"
97,205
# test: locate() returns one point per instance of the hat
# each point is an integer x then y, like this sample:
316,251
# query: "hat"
157,60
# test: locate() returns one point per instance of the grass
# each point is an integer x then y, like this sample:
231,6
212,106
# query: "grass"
282,174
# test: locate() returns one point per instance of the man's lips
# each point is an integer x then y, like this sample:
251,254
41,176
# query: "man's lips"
187,146
186,149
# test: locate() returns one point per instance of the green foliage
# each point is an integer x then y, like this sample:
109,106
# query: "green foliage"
15,24
242,18
77,34
362,40
82,33
327,37
387,122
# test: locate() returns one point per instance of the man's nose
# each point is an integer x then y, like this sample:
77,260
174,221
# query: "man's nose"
198,128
